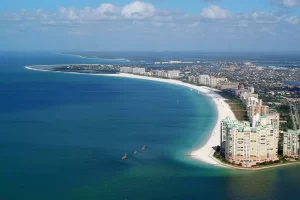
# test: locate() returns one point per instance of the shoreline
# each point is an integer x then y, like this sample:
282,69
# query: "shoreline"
223,110
229,166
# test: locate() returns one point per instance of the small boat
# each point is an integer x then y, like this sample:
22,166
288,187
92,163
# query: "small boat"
143,148
124,157
134,153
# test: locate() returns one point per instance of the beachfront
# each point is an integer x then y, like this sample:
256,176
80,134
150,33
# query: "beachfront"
205,153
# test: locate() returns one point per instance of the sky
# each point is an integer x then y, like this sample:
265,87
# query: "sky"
150,25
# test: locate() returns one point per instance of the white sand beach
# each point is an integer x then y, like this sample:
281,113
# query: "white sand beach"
205,152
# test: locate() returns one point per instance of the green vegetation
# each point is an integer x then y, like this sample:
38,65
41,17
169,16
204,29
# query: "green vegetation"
269,98
284,111
217,155
236,105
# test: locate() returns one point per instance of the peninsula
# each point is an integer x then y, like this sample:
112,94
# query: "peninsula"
229,143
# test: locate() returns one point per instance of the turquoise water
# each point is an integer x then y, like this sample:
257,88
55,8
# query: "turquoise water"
63,136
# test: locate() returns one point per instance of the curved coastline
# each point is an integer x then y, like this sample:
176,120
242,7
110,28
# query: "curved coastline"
205,153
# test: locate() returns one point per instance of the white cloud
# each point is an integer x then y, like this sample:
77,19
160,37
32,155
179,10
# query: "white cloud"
138,10
293,20
242,24
75,33
172,25
68,13
195,24
268,30
290,3
157,24
105,11
215,12
286,3
260,17
145,12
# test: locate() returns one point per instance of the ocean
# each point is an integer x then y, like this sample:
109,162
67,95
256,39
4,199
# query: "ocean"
63,137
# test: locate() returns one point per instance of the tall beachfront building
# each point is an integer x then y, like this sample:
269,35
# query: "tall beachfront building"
248,143
227,122
138,70
257,109
133,70
204,79
213,81
192,79
166,74
247,97
174,74
126,69
291,143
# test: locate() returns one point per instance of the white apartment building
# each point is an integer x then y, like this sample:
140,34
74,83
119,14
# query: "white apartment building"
224,125
258,109
213,81
251,90
158,73
252,101
173,74
192,79
126,69
175,61
245,95
291,143
138,70
204,80
248,145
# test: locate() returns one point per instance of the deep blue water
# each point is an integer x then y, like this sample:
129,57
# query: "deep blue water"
292,83
63,136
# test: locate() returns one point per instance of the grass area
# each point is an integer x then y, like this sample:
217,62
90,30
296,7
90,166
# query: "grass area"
236,105
284,111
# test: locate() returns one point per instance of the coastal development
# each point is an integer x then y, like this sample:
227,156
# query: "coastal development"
150,99
248,143
262,135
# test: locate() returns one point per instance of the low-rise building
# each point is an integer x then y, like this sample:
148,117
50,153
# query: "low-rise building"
227,85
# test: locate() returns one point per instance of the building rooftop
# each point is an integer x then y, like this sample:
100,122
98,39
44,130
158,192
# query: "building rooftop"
293,132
